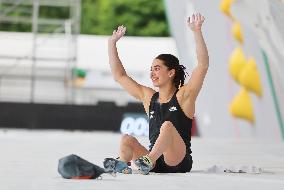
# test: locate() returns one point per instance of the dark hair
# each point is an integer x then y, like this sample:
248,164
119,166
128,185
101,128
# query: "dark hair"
172,62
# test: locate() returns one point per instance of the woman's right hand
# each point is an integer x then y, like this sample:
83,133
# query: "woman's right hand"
117,34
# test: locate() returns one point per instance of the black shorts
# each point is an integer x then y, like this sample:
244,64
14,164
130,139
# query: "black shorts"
184,166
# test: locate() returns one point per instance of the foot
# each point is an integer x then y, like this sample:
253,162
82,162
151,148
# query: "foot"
144,164
116,165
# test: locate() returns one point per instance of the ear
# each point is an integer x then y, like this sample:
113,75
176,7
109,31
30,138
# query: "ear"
172,73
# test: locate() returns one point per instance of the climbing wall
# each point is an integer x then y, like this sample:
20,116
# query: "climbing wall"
242,95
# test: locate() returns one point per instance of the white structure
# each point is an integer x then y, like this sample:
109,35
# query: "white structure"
137,54
58,47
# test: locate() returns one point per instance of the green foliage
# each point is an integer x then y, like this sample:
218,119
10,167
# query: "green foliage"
141,17
101,17
23,11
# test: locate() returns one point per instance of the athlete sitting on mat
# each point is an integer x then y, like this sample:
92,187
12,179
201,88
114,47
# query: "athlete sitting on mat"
170,110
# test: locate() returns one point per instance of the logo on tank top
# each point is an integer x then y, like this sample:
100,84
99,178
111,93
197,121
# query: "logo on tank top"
151,114
173,108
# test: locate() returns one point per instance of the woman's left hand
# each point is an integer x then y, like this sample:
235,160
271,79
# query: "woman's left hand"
195,22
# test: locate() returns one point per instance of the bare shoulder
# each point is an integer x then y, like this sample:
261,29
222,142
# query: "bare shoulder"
187,105
180,94
148,93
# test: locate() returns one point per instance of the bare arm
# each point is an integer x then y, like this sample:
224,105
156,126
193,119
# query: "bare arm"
138,91
116,66
194,85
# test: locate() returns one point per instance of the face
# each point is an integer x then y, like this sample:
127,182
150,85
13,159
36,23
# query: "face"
160,74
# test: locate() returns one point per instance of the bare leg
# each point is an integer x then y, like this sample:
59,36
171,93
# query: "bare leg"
131,149
170,144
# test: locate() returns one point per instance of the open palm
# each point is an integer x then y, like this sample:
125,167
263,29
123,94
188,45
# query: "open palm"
117,34
195,21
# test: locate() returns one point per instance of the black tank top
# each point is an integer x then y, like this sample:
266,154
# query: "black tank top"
170,111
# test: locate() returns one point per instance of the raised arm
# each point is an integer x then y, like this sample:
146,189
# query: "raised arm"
194,85
138,91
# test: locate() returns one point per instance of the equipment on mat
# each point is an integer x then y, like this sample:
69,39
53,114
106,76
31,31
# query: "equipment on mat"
75,167
111,164
144,164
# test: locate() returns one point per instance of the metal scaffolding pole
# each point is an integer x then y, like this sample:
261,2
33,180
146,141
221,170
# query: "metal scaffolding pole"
64,29
34,46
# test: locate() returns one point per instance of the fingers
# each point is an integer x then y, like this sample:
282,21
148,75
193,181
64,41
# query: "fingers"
120,30
195,21
199,16
191,19
195,18
123,29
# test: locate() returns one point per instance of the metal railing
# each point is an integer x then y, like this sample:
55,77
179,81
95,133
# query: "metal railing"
41,50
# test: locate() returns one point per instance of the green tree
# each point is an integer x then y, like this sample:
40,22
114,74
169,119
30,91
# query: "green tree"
141,17
101,17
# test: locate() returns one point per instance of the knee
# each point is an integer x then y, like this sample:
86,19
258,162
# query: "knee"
128,140
166,126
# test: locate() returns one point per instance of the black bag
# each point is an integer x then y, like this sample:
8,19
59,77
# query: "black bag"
75,167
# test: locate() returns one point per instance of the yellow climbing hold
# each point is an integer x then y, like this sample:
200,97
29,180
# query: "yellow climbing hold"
225,7
241,106
237,32
249,77
237,62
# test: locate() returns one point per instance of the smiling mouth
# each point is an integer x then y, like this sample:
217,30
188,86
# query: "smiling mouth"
154,79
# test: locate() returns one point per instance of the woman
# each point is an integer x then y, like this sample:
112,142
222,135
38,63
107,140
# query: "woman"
170,110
